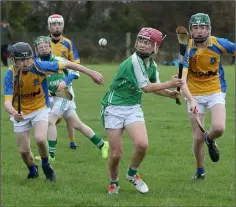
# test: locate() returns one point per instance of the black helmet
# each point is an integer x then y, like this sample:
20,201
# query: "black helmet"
21,50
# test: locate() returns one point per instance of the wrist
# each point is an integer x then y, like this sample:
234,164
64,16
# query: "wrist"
13,113
168,84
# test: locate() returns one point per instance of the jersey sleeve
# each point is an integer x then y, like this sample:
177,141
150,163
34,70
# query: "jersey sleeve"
73,54
228,47
186,60
8,85
75,73
139,71
46,67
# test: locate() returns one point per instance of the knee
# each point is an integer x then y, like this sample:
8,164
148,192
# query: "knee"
219,129
53,120
198,139
116,154
41,141
25,154
141,146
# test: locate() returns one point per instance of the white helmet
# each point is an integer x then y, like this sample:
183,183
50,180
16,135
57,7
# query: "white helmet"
55,18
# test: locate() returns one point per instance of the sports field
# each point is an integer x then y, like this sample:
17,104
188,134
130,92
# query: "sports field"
82,175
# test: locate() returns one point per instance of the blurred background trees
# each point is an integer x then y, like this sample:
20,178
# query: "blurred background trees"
87,21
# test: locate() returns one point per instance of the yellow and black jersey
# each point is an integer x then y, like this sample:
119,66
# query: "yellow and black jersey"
204,66
66,49
34,90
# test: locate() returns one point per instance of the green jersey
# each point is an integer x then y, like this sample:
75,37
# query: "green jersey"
132,75
54,78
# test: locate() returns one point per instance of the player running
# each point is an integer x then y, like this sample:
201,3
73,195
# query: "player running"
205,86
62,106
63,47
26,101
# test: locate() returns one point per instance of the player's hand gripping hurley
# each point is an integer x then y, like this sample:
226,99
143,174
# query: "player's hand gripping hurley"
183,37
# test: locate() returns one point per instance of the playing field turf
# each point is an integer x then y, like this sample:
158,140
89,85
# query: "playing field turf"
82,175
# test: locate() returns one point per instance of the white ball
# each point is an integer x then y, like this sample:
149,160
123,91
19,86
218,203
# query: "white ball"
102,42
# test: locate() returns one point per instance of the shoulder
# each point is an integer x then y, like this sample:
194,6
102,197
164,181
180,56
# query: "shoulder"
222,41
10,72
65,39
135,60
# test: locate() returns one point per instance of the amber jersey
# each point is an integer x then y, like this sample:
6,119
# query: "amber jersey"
34,90
204,66
66,49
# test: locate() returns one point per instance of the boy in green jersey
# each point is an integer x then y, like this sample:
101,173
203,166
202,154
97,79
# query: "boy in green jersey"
121,105
63,106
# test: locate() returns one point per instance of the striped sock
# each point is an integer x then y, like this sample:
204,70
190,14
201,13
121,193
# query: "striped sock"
98,141
116,182
52,148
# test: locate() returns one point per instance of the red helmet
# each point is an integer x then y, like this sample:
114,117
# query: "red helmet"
151,34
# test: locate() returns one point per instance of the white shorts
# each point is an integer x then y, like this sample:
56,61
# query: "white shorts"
51,100
30,120
63,107
117,117
208,101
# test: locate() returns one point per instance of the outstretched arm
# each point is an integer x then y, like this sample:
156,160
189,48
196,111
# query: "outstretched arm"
96,76
155,87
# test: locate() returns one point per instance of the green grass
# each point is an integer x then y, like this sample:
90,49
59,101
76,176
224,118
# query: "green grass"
82,177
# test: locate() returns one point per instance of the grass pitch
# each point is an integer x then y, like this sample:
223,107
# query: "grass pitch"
82,176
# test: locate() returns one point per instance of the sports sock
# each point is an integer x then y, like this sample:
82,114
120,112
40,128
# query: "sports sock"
32,169
52,147
132,171
45,161
200,170
98,141
72,140
116,182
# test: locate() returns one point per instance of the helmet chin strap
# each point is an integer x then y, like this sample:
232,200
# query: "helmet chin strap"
143,55
45,57
200,39
56,34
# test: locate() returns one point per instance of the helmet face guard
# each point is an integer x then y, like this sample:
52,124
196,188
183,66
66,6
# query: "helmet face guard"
151,34
46,53
55,18
200,19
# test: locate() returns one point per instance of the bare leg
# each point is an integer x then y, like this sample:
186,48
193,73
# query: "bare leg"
40,134
23,142
218,116
198,140
137,131
76,123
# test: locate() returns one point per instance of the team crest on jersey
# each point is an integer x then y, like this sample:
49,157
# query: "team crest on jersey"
213,60
36,81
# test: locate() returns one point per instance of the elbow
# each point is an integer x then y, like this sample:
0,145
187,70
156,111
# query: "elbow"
146,89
